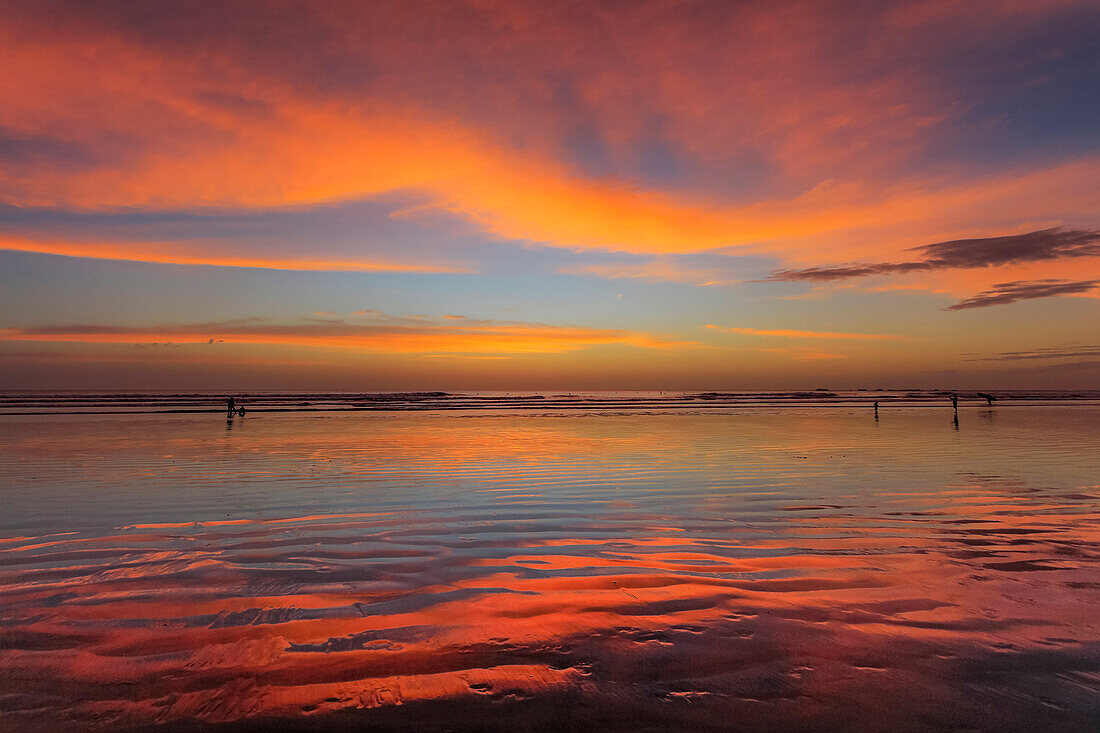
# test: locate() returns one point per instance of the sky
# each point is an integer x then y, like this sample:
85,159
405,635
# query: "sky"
486,195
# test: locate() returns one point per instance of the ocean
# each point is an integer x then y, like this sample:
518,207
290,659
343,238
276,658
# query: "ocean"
551,561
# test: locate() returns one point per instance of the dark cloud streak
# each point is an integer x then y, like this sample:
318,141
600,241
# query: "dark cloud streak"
847,272
1004,293
1053,352
1043,244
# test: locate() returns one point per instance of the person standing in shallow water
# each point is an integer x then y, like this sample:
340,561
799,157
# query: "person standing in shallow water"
231,406
955,401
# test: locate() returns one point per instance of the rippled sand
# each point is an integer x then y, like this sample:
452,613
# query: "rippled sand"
782,569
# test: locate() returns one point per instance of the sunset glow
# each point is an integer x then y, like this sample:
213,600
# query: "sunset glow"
614,176
716,366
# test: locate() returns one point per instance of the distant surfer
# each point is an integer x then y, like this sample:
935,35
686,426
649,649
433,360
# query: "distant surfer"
988,398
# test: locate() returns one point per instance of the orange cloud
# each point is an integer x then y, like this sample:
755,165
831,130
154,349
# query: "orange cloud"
187,253
787,333
171,128
381,333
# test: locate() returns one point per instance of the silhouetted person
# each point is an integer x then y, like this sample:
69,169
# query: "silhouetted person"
232,406
955,401
988,398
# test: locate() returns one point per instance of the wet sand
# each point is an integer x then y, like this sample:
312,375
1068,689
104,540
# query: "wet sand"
795,568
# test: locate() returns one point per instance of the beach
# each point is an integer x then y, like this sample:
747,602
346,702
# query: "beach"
796,567
519,366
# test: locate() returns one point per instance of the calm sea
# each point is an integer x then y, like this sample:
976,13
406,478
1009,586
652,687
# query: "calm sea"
546,562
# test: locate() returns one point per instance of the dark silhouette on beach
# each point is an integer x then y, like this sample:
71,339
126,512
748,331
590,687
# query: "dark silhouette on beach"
987,397
231,406
955,401
876,411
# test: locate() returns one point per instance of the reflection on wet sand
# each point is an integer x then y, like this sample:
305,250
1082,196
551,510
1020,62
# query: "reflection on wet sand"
796,570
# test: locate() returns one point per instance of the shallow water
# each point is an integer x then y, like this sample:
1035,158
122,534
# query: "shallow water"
29,402
796,568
